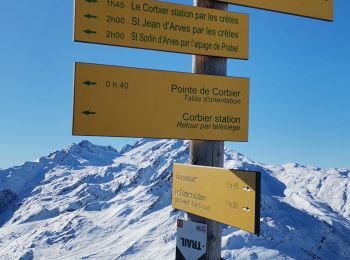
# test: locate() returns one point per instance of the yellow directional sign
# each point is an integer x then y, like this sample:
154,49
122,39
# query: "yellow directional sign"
319,9
231,197
162,26
119,101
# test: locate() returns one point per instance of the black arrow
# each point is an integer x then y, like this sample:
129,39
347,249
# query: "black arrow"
88,113
88,31
89,83
89,16
91,1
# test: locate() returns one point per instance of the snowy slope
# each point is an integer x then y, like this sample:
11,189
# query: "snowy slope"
93,202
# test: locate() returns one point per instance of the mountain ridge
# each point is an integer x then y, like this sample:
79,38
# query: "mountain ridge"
94,202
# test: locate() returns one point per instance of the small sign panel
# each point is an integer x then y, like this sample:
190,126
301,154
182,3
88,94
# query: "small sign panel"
231,197
191,240
119,101
162,26
318,9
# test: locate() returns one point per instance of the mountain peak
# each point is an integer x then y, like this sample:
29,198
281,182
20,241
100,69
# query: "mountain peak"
84,153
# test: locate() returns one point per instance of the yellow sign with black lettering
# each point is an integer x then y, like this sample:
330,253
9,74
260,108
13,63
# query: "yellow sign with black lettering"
231,197
318,9
120,101
162,26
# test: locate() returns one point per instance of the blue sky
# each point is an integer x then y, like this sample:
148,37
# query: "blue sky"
299,70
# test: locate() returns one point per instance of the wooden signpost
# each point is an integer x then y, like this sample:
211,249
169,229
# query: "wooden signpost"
318,9
162,26
231,197
209,153
120,101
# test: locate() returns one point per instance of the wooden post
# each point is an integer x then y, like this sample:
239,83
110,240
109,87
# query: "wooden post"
209,153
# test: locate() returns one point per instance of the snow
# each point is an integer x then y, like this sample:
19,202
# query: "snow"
93,202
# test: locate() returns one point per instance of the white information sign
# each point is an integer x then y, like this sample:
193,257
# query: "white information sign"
191,240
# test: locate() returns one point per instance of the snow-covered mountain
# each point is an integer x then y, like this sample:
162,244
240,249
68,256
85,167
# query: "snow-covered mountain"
93,202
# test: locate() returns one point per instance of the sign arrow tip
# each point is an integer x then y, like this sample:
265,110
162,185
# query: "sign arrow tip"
88,113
